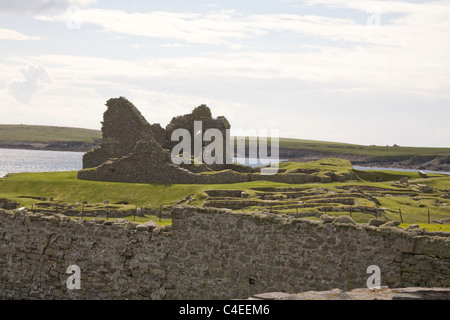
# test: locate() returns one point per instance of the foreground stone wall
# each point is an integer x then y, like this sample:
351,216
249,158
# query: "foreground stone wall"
209,254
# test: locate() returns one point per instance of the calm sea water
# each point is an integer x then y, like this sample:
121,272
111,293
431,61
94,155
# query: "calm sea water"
15,160
397,169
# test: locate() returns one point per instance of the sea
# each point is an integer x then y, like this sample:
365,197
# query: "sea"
398,169
18,160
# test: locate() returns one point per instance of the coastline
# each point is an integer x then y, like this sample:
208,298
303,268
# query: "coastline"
413,163
71,146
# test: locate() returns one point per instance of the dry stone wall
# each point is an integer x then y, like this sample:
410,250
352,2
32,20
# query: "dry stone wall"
209,254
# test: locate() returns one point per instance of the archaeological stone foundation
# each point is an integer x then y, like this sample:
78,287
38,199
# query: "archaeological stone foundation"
210,254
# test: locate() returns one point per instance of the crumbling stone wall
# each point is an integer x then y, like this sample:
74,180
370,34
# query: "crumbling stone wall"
122,127
203,114
210,254
128,137
149,163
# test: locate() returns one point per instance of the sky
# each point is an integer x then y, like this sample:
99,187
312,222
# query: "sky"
365,72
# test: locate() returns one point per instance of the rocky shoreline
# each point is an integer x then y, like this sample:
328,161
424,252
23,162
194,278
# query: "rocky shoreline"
74,146
413,162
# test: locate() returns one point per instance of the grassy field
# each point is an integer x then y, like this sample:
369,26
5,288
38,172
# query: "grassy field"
46,133
370,189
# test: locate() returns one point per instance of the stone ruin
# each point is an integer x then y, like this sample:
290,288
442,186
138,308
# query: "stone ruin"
124,126
132,150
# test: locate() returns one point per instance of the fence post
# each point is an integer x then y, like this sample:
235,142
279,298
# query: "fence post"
428,216
82,211
401,217
134,216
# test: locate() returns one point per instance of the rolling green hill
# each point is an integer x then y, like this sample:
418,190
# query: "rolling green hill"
355,149
324,146
45,134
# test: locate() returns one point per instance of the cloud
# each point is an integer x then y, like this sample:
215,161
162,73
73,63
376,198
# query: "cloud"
223,28
374,69
7,34
26,6
213,28
422,31
33,76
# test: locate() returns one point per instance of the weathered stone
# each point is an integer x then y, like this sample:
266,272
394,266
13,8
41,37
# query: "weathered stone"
327,218
423,174
383,293
344,220
150,224
213,253
425,188
392,224
141,228
376,222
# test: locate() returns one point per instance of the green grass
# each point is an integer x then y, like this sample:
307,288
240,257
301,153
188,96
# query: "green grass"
65,188
46,134
429,227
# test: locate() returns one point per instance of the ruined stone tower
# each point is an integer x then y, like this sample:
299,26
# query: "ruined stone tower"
132,150
202,114
122,127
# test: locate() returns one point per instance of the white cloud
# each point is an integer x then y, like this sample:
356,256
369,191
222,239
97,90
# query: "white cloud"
33,76
26,6
213,28
232,28
6,34
410,53
368,69
224,28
